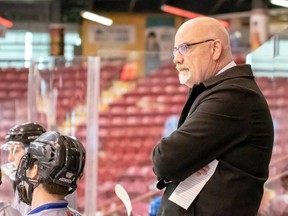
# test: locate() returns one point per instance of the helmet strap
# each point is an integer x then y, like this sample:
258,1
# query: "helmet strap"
24,195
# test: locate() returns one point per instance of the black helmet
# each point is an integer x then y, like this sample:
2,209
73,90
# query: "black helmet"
25,133
21,134
60,160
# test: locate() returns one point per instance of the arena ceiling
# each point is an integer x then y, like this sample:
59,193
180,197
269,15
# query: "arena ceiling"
69,10
207,7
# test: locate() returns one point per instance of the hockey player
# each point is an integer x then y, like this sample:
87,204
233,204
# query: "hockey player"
48,172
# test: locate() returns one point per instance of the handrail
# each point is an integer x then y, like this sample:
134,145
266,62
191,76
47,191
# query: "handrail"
275,162
277,177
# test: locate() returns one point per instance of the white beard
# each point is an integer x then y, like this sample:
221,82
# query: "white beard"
184,76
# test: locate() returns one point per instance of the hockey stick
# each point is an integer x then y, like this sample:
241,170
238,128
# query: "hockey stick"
124,197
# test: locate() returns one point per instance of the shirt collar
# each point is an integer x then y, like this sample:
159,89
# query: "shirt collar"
243,71
231,64
54,205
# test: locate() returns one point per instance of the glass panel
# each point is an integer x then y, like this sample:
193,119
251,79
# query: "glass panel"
13,109
125,120
58,89
270,63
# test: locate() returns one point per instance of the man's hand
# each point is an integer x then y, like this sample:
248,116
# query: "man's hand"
203,171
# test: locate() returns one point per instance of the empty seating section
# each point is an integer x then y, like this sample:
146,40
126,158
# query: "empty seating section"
13,95
13,83
275,91
13,92
129,130
69,85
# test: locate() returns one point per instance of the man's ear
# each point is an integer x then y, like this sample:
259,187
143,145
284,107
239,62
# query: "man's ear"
33,172
216,49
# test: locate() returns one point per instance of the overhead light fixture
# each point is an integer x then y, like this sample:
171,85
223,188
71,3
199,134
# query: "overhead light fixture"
6,23
283,3
185,13
96,18
179,12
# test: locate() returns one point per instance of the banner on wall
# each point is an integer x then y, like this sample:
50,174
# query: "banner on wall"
120,34
159,41
259,31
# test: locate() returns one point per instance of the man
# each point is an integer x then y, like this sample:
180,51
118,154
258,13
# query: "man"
16,144
225,122
5,208
17,139
48,172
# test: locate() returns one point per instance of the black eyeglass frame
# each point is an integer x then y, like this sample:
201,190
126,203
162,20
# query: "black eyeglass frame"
188,45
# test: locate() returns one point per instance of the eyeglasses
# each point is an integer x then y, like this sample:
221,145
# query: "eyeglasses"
183,48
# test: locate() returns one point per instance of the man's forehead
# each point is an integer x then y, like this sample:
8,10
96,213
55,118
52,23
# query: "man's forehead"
17,145
186,36
12,144
183,38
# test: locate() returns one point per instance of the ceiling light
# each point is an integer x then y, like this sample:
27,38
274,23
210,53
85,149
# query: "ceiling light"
179,12
96,18
283,3
6,22
185,13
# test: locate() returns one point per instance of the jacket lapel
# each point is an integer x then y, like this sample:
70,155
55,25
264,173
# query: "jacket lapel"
194,92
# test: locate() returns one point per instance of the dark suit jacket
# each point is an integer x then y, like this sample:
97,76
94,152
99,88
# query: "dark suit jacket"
225,118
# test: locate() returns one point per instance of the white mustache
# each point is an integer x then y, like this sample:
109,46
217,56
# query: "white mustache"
182,68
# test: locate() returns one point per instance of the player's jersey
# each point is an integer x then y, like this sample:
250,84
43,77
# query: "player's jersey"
24,208
59,208
7,210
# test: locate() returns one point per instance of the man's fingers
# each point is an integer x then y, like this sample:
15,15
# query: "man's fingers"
202,171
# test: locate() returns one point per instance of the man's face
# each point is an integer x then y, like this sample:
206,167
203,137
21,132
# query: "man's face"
11,153
193,54
15,152
195,61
